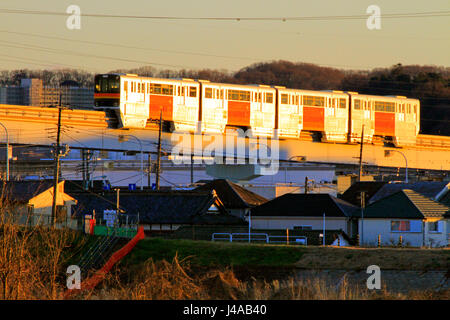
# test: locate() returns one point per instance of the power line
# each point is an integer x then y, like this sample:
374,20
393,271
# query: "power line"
131,47
301,18
18,45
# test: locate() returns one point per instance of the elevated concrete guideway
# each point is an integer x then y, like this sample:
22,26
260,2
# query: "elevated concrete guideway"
83,129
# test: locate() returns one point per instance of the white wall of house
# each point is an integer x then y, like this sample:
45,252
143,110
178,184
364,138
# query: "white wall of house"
437,238
418,238
332,223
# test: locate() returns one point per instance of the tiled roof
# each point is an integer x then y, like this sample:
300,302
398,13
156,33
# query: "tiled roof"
427,206
353,194
405,204
232,195
183,207
305,205
23,191
427,188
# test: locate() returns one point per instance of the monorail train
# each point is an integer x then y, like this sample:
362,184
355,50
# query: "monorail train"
338,116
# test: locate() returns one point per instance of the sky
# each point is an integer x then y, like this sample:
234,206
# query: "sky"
103,44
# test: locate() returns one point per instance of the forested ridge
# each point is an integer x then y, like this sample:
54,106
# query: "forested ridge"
430,84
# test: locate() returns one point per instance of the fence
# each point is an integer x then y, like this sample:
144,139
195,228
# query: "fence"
261,237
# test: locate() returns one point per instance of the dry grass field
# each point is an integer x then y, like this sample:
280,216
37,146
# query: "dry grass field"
386,258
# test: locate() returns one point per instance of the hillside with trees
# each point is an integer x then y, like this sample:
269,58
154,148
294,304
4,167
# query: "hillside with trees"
429,84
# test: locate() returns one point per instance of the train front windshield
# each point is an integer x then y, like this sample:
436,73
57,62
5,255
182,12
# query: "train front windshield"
107,90
107,84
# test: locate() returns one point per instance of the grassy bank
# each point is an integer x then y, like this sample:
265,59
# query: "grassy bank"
204,253
210,254
386,258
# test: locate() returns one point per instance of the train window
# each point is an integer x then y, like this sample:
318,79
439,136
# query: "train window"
233,95
139,88
296,100
125,86
415,108
192,92
313,101
284,98
342,103
208,93
357,104
155,88
384,106
238,95
269,97
244,96
167,89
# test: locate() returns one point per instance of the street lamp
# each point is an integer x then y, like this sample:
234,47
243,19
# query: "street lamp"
7,151
387,153
121,139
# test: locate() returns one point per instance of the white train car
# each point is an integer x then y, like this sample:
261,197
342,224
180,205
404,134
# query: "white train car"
290,113
394,117
326,112
361,113
248,106
138,99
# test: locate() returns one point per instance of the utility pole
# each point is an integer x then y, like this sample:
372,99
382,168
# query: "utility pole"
117,199
56,166
306,185
363,204
83,169
149,175
361,153
7,151
192,167
158,162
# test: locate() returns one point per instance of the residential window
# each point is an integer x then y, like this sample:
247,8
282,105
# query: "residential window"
398,226
435,226
406,226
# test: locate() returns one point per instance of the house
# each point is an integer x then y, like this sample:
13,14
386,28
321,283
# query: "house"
30,203
353,194
444,195
419,220
429,189
305,212
160,211
237,200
